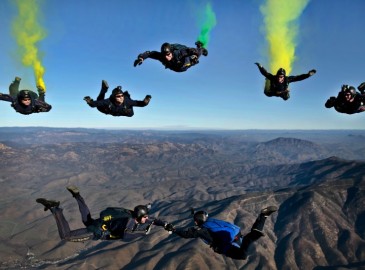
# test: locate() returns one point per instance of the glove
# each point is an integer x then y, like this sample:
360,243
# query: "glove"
330,102
312,72
147,99
169,227
138,61
258,65
194,59
88,99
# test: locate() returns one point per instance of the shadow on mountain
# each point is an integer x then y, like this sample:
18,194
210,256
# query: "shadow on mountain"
231,175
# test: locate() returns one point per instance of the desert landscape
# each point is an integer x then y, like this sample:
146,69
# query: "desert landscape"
316,178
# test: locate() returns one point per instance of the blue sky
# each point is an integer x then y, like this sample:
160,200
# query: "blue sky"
91,40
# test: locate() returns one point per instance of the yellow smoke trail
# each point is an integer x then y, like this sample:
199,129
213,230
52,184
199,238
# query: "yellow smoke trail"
281,30
28,32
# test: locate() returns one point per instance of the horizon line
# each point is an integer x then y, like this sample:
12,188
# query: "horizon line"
176,128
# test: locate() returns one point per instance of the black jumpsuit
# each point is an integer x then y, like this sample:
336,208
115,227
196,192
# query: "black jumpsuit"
124,227
236,250
280,89
181,60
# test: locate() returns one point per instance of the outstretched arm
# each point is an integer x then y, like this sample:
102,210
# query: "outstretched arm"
139,103
194,232
96,103
302,77
264,72
42,106
6,97
148,54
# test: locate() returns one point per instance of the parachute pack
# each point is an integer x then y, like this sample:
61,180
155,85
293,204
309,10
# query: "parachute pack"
114,212
177,46
112,220
222,230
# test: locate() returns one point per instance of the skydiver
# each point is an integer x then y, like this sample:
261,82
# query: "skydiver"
118,104
26,101
114,223
278,85
224,237
348,100
176,57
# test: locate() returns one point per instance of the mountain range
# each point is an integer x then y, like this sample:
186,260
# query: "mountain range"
316,178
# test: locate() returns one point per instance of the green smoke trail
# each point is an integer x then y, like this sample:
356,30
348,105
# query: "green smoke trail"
208,24
281,30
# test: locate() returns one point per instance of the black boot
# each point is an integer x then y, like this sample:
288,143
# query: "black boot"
361,88
258,226
204,52
48,204
74,190
41,93
104,86
199,44
14,87
268,211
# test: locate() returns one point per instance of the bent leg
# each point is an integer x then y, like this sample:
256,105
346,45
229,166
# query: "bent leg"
14,87
41,93
101,95
62,224
41,97
285,95
361,88
103,90
240,253
64,231
84,211
236,253
253,235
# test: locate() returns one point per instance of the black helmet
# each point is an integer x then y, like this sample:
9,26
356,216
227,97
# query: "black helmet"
200,217
140,211
165,48
24,94
117,90
281,71
351,90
